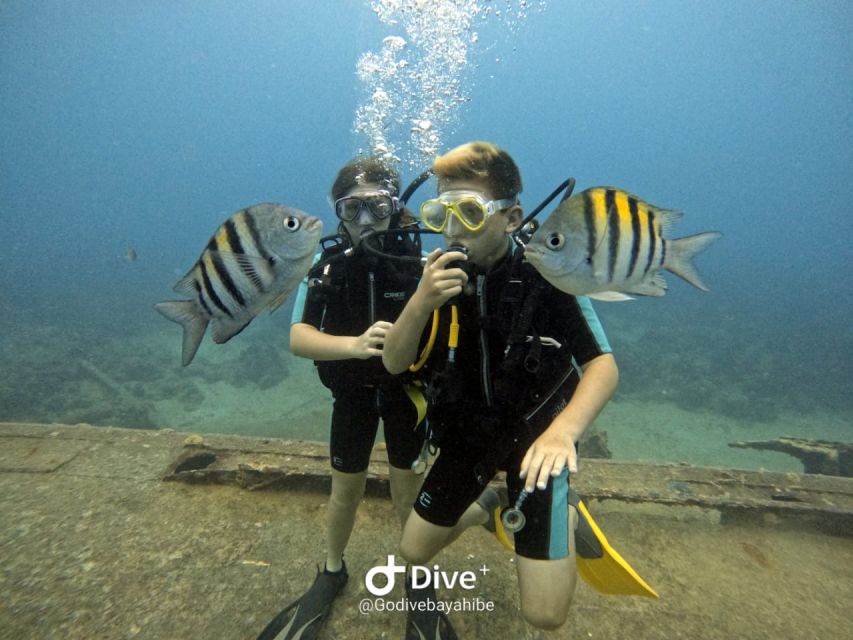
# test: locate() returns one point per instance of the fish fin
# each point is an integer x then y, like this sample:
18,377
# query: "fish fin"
681,253
653,285
186,285
245,265
256,268
224,330
245,270
279,299
668,219
185,313
609,296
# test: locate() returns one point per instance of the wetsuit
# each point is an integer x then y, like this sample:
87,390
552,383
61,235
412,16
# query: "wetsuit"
502,392
358,291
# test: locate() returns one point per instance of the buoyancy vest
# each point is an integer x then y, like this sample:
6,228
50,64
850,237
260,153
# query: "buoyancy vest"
508,365
352,294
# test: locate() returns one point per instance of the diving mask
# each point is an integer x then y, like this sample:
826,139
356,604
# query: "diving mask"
379,205
469,207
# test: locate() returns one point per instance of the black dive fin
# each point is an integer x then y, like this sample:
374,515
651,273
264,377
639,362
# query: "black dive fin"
303,618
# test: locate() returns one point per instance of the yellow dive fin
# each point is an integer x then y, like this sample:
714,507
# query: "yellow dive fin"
416,395
490,501
503,536
599,564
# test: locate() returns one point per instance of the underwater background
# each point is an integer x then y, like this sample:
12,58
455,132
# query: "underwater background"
131,130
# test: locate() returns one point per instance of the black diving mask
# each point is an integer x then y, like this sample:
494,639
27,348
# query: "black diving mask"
380,205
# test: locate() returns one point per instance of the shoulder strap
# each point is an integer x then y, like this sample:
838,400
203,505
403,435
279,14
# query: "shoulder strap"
520,302
512,297
523,348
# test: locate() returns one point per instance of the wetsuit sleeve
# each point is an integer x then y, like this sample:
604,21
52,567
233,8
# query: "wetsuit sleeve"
307,307
583,329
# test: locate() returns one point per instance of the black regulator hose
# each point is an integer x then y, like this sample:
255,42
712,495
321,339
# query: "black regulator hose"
370,242
568,184
417,182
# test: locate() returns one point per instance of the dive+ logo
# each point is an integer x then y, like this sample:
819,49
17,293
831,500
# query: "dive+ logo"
421,577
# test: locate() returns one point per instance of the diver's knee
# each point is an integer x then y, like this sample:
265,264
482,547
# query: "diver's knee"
418,546
347,487
544,618
414,553
547,612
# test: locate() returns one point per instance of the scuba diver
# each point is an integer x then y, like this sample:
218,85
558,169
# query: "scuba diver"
515,370
341,317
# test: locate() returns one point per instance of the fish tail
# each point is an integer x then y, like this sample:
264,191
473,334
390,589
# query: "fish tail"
184,312
681,253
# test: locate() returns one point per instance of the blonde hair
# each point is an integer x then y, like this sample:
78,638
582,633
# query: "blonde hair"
480,161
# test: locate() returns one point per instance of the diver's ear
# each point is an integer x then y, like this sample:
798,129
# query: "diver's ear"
513,219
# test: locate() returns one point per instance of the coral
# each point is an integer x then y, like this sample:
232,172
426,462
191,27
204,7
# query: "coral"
735,376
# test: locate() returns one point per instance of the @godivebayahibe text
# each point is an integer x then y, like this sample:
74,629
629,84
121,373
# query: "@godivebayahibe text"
381,580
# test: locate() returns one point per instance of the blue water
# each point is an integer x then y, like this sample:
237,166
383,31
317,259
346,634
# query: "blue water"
147,124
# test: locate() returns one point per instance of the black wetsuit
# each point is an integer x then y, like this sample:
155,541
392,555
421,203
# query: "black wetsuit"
489,406
358,291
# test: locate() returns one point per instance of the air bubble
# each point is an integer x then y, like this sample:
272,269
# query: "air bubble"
416,82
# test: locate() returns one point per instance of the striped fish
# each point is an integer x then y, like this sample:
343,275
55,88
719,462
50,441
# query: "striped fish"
253,262
605,243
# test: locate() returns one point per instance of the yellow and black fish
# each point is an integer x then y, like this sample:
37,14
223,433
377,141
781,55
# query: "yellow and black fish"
605,243
253,262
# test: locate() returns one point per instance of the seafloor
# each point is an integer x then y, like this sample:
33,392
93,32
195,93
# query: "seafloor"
96,546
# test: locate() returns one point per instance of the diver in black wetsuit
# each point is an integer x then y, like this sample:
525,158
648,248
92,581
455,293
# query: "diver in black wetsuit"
340,321
502,380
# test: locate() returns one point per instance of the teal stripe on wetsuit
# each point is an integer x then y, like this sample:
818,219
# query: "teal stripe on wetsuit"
301,295
594,323
559,535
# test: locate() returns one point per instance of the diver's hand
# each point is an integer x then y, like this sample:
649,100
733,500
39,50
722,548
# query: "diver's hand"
369,343
549,454
438,282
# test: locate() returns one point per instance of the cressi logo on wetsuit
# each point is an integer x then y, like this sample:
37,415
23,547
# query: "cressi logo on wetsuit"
356,292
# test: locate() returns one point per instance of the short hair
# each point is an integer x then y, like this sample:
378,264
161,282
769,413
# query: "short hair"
364,170
483,161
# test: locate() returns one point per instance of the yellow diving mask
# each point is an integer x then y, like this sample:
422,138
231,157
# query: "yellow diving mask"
469,207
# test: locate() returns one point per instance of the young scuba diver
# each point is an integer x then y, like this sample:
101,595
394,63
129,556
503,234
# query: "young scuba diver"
341,321
503,385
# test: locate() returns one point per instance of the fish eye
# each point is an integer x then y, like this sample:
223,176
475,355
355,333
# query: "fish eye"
292,223
555,241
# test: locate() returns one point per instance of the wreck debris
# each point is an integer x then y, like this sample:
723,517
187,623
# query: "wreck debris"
818,456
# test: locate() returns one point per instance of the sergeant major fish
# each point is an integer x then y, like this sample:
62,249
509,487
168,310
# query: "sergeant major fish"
605,242
253,262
